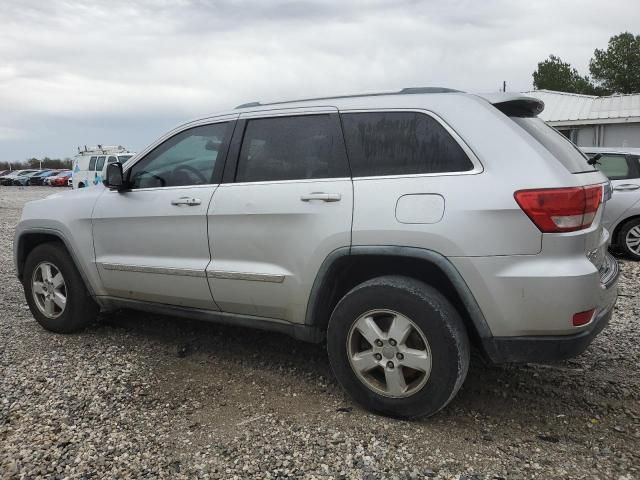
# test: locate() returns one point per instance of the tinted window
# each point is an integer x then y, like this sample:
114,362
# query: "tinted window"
556,143
121,158
112,159
100,164
614,166
400,143
290,148
187,158
92,163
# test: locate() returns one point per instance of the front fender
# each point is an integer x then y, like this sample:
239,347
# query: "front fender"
67,218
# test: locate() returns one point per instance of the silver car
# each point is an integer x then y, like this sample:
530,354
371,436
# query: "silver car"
401,228
622,215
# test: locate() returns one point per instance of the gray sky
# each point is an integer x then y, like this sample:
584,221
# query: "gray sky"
124,72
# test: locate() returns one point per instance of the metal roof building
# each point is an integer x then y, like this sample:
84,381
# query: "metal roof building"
590,121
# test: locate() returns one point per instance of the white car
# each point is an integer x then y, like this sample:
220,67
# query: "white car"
622,215
89,165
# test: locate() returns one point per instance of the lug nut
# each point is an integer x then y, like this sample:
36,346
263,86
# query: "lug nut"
390,365
400,356
377,356
379,343
392,342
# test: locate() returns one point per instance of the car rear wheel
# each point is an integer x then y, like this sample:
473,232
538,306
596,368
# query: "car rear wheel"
629,239
55,292
398,346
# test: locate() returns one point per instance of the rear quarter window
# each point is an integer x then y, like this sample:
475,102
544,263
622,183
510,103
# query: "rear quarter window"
400,143
555,143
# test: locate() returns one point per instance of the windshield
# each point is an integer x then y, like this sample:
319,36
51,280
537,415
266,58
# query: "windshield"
123,158
556,143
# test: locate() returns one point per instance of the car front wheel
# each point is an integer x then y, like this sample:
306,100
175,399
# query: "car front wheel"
55,292
398,346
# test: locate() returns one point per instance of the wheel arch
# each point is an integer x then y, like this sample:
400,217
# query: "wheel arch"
615,235
27,240
346,267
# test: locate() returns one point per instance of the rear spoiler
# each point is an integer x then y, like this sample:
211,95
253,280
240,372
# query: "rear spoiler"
515,104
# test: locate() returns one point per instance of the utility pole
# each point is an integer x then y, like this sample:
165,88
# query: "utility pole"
504,85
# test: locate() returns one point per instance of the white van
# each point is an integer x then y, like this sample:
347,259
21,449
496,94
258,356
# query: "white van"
90,163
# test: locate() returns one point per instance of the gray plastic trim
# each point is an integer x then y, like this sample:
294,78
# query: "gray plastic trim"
469,301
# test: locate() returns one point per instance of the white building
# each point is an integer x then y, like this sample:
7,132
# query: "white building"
591,121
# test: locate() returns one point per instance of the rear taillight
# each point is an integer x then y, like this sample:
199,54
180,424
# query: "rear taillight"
555,210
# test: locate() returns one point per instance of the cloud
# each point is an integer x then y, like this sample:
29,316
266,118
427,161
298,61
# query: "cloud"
116,71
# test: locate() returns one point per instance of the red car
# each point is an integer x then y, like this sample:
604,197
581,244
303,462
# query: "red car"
60,180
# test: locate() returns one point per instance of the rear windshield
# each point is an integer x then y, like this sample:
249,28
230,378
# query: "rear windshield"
556,143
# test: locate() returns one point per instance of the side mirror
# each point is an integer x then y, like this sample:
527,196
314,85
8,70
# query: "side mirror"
114,178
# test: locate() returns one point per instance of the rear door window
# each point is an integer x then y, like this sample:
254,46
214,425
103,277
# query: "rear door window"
291,148
556,143
92,163
400,143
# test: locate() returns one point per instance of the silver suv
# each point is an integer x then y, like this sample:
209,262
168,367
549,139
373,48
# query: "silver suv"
402,228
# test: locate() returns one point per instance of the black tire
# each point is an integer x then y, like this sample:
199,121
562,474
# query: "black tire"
622,239
438,321
80,309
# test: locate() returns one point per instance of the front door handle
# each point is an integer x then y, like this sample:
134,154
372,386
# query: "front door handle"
627,187
325,197
188,201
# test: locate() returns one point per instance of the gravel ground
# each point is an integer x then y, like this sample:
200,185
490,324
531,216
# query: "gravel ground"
143,396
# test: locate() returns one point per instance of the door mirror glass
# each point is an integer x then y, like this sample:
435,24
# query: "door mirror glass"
114,178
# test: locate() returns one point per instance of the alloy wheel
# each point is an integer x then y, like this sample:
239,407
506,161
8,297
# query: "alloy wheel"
633,240
389,353
49,290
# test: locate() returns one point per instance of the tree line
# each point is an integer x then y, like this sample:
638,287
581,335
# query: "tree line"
46,162
615,69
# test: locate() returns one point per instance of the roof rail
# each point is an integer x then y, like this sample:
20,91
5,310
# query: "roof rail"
404,91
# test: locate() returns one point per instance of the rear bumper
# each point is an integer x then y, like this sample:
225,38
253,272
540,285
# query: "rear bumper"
547,348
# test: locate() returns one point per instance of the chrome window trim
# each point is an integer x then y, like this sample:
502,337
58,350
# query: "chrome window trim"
171,188
475,161
121,267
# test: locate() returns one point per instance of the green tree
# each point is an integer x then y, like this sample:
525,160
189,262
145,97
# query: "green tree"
617,69
554,74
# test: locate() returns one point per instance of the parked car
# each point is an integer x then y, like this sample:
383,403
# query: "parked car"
40,179
402,228
90,163
25,180
8,179
60,180
5,172
622,215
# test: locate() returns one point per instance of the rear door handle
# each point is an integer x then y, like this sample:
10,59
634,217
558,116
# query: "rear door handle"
188,201
325,197
626,187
